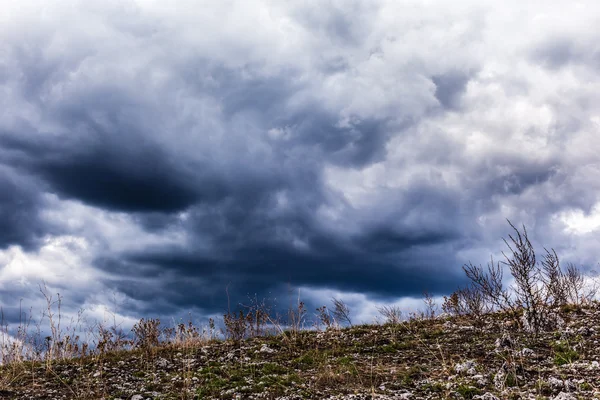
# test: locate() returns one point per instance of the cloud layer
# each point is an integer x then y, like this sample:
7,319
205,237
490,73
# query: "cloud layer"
365,148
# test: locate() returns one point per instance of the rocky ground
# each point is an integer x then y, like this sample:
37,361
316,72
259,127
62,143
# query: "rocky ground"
441,358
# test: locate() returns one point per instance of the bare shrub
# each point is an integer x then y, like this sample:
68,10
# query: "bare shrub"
146,333
473,301
296,317
187,333
563,287
258,317
392,314
212,332
489,283
430,306
521,262
556,291
236,325
324,317
452,304
341,311
466,301
574,283
52,350
537,286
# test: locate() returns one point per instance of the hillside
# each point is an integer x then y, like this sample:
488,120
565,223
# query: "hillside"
442,358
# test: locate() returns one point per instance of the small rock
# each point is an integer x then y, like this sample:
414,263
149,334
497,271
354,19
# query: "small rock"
570,385
480,380
137,397
467,367
266,349
162,363
485,396
565,396
595,365
555,383
585,331
505,342
500,379
526,352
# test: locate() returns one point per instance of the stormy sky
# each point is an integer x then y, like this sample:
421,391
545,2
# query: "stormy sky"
156,157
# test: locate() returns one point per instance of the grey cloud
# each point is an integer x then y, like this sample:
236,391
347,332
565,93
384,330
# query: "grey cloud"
182,134
20,203
449,88
344,23
267,270
559,52
107,175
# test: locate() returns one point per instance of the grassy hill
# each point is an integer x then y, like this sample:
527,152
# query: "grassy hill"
459,357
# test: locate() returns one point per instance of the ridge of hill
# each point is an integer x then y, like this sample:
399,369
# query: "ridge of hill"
446,357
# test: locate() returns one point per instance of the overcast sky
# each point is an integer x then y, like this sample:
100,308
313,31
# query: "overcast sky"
154,154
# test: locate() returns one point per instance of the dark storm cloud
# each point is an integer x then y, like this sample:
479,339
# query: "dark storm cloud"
118,184
267,271
106,174
196,149
253,250
19,210
357,142
253,244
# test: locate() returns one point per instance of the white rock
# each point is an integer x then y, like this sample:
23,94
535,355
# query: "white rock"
504,342
137,397
468,367
266,349
500,379
480,380
526,352
162,363
485,396
565,396
555,383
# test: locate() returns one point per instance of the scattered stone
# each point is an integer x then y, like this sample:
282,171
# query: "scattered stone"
266,349
485,396
467,367
504,343
585,331
162,363
526,352
555,383
500,379
480,380
565,396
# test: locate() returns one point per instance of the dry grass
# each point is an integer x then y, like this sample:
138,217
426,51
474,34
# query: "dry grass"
423,357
